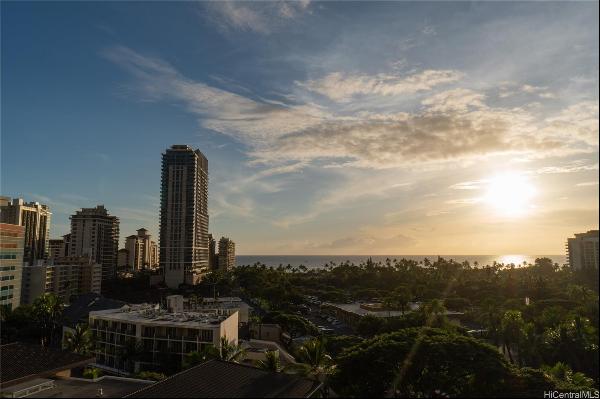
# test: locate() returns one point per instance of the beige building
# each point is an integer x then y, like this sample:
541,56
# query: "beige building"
95,234
35,218
11,264
184,242
162,334
582,250
226,254
64,277
142,252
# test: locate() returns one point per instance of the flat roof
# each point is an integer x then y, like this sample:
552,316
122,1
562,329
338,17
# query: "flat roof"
75,388
148,314
357,309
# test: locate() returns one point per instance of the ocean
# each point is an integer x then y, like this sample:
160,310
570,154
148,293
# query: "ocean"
318,261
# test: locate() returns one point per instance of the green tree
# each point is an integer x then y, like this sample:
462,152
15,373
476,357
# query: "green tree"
79,340
48,311
271,362
512,331
420,361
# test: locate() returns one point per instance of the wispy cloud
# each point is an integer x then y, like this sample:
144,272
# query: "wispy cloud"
342,87
257,17
587,184
452,125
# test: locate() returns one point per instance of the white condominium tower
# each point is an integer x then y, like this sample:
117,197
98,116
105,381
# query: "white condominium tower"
183,215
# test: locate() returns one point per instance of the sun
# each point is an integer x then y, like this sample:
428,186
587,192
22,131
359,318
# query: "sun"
510,194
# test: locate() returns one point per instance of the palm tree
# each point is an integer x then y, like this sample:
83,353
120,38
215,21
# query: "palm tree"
197,357
271,362
314,362
230,351
48,310
512,330
79,340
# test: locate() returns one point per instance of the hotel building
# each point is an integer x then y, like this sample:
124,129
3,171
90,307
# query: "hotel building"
582,250
142,252
95,234
64,277
184,242
35,218
11,264
226,254
162,335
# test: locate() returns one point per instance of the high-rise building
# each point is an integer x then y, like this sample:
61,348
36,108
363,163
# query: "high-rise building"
212,255
226,254
142,251
123,259
582,250
64,277
183,215
95,235
11,264
35,218
56,248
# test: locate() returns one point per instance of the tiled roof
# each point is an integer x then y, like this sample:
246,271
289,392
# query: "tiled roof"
219,379
22,362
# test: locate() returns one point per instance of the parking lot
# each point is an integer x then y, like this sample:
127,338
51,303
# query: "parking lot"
327,324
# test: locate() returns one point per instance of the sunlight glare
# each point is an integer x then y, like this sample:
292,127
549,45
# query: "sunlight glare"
510,194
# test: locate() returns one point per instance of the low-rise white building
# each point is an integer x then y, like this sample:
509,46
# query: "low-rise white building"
228,304
141,337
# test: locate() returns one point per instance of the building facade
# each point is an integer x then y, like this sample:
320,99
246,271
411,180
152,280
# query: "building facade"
55,248
212,253
164,336
226,254
64,277
582,250
11,264
35,218
142,252
95,234
184,243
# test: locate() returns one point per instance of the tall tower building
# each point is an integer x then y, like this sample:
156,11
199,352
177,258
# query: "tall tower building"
583,251
35,218
141,250
11,264
183,215
95,234
226,254
212,256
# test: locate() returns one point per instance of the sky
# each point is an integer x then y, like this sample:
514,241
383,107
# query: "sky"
330,127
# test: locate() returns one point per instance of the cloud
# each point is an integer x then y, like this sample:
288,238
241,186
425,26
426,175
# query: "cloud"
468,185
579,120
342,87
256,17
587,184
572,167
456,100
369,242
452,125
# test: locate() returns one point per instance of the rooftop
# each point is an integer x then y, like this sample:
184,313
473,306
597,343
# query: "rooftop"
219,379
86,303
20,362
363,309
76,388
145,313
